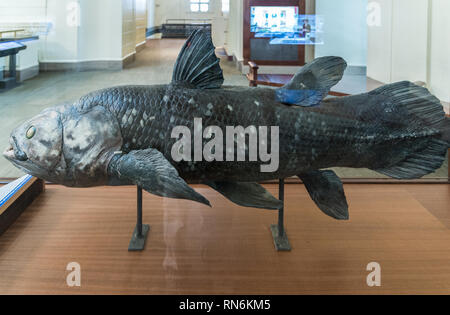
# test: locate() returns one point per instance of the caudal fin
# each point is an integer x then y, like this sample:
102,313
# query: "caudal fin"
421,145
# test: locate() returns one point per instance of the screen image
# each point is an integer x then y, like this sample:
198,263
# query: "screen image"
269,20
284,26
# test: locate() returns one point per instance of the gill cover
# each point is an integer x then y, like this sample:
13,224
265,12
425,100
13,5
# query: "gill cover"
90,138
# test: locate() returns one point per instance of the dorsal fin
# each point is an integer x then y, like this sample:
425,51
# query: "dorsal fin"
313,82
198,64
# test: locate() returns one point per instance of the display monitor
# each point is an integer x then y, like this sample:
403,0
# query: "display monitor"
269,20
284,26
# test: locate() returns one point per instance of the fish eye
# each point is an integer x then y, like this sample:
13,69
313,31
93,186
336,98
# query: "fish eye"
31,132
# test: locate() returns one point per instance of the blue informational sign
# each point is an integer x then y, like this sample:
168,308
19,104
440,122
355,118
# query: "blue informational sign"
10,45
8,191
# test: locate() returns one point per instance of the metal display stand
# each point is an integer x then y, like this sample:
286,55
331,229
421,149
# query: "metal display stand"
140,233
279,235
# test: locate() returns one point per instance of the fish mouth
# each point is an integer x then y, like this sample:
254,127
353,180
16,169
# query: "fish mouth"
14,153
9,153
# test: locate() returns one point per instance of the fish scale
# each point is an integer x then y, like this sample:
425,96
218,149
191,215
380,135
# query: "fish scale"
305,136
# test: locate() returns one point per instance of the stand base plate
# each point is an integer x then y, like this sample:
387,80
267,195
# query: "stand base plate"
138,243
281,243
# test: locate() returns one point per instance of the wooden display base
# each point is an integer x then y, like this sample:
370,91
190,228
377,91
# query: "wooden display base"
15,197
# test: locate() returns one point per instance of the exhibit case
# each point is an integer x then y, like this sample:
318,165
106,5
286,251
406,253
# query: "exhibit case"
197,145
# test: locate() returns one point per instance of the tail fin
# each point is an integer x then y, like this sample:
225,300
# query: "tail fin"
423,151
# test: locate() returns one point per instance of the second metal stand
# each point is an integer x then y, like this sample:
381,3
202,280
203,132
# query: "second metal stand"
279,235
140,233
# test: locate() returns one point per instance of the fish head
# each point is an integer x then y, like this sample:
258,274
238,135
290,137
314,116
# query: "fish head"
35,147
66,145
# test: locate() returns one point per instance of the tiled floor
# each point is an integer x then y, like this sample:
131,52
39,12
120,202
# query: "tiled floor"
153,65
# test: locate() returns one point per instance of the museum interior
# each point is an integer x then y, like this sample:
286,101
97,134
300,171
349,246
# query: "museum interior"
144,237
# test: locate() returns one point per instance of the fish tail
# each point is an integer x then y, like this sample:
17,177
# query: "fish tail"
420,138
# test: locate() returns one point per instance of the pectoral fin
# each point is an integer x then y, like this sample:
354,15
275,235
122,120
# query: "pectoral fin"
326,189
150,170
247,195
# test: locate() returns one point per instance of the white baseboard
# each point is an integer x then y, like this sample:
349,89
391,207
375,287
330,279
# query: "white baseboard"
87,65
27,73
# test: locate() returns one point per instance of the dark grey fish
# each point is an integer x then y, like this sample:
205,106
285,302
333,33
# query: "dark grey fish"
123,135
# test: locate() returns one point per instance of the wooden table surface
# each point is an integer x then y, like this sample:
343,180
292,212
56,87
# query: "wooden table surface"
193,249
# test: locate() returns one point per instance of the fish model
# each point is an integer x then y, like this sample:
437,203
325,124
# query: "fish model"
125,135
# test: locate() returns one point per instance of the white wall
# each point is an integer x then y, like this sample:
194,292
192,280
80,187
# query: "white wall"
412,42
409,40
22,10
22,13
345,30
439,62
61,44
151,13
62,41
27,58
234,42
107,29
180,9
398,41
99,34
379,52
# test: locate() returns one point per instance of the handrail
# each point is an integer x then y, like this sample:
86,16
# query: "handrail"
11,31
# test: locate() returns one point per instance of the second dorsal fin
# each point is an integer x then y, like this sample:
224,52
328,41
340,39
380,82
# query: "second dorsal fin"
198,64
313,82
